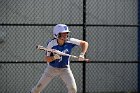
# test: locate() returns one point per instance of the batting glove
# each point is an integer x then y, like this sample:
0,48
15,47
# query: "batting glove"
56,56
81,57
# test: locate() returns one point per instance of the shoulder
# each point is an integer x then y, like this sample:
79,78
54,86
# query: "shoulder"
51,43
74,41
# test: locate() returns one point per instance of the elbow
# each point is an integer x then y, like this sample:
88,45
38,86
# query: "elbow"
84,44
46,59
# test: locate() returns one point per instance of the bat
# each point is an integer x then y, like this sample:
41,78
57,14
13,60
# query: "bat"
39,47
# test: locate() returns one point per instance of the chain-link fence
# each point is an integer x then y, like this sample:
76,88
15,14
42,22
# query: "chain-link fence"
110,27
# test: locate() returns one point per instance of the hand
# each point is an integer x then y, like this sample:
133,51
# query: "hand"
56,56
81,57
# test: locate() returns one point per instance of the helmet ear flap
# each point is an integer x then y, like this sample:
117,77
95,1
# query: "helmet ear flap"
56,36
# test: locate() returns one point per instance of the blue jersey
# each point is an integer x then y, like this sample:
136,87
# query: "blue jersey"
63,62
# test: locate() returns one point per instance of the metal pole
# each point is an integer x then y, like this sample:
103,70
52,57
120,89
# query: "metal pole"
138,46
84,38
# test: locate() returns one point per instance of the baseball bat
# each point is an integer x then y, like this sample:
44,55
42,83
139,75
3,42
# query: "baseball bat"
39,47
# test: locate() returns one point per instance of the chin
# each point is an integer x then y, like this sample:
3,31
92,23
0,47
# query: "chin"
64,39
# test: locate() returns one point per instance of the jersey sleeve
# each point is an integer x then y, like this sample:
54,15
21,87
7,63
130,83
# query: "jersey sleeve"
75,41
49,47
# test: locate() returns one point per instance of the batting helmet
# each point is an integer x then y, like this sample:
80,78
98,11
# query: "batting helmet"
60,28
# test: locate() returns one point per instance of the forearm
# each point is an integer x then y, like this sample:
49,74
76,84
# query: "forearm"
49,58
84,46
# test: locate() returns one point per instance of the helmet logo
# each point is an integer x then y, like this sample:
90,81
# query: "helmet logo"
65,27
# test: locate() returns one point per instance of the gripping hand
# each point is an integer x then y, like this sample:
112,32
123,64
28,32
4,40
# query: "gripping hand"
81,57
56,56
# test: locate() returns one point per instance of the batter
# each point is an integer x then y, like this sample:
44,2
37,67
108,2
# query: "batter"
60,65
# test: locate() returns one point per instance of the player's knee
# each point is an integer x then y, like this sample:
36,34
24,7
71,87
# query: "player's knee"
35,90
73,89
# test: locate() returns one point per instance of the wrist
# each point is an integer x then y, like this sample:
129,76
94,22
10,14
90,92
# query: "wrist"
82,55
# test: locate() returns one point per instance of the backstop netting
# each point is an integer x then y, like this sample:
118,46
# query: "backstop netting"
109,26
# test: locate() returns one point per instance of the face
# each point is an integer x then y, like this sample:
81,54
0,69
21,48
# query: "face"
63,36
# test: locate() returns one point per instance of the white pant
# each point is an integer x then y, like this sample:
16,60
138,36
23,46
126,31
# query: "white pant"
50,72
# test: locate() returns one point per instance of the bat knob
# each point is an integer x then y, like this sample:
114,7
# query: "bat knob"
37,47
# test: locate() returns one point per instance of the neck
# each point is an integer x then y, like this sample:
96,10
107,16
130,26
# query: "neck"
60,42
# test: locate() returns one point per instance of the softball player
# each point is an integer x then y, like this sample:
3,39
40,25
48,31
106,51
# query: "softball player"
59,65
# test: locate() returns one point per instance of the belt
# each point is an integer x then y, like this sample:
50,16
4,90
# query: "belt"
66,66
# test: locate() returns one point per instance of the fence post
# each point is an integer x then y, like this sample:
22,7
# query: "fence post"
84,38
138,46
